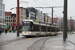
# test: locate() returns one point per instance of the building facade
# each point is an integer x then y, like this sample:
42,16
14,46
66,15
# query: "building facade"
13,19
22,15
71,24
8,18
2,12
39,16
31,13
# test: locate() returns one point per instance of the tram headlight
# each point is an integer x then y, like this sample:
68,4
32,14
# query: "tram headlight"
30,32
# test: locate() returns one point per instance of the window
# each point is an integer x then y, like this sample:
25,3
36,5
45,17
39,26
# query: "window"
0,0
43,28
3,7
9,17
21,20
3,14
21,9
24,17
21,13
35,28
5,20
0,13
15,20
0,6
9,20
21,17
7,23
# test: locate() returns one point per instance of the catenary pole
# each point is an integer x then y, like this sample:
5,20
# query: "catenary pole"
52,10
52,15
17,18
65,21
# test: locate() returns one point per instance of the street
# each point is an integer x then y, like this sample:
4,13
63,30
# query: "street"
11,42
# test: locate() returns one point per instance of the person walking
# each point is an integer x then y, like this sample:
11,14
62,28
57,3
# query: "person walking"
0,31
6,31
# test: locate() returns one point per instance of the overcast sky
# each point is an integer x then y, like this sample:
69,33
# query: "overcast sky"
43,3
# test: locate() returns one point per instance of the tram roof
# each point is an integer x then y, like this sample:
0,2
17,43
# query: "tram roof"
27,20
37,22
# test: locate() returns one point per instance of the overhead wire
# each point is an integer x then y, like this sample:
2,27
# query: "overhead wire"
51,2
39,5
46,3
36,3
41,2
58,12
57,2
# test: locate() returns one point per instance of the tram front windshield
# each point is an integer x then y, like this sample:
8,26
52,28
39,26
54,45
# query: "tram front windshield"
26,26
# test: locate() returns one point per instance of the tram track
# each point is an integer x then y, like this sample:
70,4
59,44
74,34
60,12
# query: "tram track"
13,40
39,44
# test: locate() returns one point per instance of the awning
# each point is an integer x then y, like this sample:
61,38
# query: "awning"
2,24
16,25
6,26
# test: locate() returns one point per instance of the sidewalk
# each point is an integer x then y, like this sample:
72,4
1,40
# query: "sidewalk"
5,37
58,44
51,44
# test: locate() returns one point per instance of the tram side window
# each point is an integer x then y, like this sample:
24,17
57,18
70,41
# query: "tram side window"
56,29
48,29
43,28
53,29
35,28
32,28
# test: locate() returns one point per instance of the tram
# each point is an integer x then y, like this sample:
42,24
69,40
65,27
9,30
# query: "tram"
37,28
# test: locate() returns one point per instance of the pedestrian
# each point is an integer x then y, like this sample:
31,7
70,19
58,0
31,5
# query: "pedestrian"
6,31
0,31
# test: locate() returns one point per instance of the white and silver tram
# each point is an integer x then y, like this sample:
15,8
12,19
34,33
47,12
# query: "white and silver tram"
36,28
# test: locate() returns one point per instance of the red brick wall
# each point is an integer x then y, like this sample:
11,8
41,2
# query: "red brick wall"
7,13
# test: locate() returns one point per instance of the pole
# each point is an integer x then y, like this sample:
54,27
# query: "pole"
17,18
52,15
65,21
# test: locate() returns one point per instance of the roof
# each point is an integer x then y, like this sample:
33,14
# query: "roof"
7,13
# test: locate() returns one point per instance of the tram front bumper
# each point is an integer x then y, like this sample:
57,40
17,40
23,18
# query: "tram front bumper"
26,33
